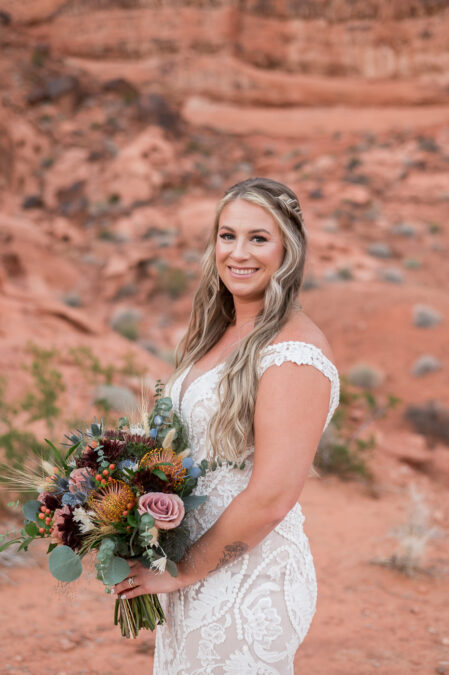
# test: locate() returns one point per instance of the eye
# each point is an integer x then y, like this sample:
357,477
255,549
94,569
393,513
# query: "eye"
225,235
260,238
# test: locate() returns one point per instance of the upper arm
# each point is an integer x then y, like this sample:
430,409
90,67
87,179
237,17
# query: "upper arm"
290,414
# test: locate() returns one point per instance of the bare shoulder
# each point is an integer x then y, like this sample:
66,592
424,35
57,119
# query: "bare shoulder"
301,328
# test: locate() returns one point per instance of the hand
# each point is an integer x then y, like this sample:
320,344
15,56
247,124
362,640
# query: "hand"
146,581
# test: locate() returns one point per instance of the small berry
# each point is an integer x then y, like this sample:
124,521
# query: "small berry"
47,521
105,472
98,477
41,516
94,444
47,511
129,505
112,467
43,509
128,528
42,530
56,469
125,513
110,479
103,482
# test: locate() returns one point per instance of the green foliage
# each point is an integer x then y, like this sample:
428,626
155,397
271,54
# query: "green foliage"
92,369
65,564
171,280
41,404
16,443
340,450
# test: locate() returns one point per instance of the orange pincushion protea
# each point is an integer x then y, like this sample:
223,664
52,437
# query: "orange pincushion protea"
167,461
110,501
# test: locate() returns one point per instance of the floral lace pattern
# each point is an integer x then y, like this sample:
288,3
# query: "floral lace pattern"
249,617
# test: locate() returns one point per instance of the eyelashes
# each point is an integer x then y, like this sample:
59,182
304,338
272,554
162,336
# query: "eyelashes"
225,236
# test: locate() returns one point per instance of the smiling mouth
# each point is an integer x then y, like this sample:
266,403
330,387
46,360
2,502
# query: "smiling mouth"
243,271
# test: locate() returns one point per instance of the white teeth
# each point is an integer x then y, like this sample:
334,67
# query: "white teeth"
247,270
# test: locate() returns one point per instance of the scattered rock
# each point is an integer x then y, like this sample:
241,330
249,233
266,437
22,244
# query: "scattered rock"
154,109
426,364
425,317
428,144
404,230
431,420
32,202
411,263
72,200
72,299
316,194
123,88
365,375
54,87
126,322
392,274
119,399
380,250
5,18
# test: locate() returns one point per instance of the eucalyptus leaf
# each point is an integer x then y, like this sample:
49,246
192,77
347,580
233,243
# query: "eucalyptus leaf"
171,568
65,564
31,508
117,570
146,521
193,501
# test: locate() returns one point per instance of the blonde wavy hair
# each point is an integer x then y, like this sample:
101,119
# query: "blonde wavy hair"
230,429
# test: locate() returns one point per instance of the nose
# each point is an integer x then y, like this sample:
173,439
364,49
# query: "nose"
239,249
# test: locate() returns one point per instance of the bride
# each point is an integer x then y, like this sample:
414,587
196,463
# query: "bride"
246,591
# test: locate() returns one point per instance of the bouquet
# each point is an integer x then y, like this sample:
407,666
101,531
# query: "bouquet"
123,493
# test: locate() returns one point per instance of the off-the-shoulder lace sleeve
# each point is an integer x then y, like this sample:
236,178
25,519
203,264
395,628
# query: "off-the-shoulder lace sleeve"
303,353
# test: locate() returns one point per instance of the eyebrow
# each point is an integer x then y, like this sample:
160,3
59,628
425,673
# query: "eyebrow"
259,229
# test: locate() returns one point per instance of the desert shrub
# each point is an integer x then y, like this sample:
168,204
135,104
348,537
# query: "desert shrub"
341,450
41,401
171,280
412,538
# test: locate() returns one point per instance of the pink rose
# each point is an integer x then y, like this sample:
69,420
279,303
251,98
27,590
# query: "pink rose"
78,478
167,510
58,519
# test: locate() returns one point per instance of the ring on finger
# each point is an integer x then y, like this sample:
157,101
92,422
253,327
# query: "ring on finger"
131,583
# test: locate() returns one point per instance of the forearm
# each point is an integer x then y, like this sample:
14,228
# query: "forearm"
241,526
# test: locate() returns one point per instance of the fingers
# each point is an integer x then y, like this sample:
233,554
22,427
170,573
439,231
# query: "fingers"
134,563
133,593
125,586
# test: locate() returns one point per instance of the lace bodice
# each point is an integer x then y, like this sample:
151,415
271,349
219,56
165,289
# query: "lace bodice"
199,399
250,616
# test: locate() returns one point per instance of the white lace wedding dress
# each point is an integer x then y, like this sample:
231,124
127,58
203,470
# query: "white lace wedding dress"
250,616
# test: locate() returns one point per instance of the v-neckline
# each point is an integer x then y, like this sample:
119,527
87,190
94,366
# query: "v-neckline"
185,374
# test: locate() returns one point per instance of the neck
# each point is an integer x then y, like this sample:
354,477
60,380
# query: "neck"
246,310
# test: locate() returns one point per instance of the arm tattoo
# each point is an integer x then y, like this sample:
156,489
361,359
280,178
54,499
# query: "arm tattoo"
231,552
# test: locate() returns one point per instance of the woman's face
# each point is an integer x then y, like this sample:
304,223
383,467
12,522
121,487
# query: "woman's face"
248,250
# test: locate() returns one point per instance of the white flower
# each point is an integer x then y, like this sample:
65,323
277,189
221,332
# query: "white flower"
83,519
137,429
159,564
